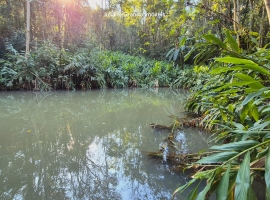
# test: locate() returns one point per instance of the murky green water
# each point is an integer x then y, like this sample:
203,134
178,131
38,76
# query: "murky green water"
88,145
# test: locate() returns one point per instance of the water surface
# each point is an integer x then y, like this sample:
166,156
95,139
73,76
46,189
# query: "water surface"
89,145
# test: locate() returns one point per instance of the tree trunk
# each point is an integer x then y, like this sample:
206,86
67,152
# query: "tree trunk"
262,29
236,20
27,28
267,5
251,21
8,9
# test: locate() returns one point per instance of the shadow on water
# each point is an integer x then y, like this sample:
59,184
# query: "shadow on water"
88,145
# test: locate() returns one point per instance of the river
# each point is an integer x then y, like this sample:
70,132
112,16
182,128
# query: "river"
90,144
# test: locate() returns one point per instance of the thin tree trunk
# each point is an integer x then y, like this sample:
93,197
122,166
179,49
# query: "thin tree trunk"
27,28
236,20
234,15
267,5
8,9
251,21
262,29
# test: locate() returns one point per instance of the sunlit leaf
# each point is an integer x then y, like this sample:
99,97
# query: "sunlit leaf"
255,113
223,186
244,112
244,77
234,60
212,38
224,69
186,57
243,179
244,63
232,42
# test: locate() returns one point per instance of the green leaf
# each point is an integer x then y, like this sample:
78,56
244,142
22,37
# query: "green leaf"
255,68
235,84
234,60
244,63
193,194
243,179
238,125
252,133
212,38
202,194
232,42
251,195
244,77
267,174
182,188
217,157
235,146
251,96
220,70
223,186
267,136
254,113
176,53
186,57
259,126
244,112
170,52
266,109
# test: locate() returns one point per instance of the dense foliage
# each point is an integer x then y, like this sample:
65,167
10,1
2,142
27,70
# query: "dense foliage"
235,101
48,67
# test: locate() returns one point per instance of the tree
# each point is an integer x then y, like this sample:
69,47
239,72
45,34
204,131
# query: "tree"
27,28
267,5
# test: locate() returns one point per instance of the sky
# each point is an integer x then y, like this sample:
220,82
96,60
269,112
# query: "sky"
94,2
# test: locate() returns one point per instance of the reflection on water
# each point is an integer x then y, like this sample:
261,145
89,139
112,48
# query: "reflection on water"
88,145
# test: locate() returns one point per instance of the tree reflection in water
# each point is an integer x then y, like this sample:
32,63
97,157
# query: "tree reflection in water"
84,145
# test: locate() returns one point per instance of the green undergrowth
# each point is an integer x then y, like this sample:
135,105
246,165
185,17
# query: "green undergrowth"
235,100
48,67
